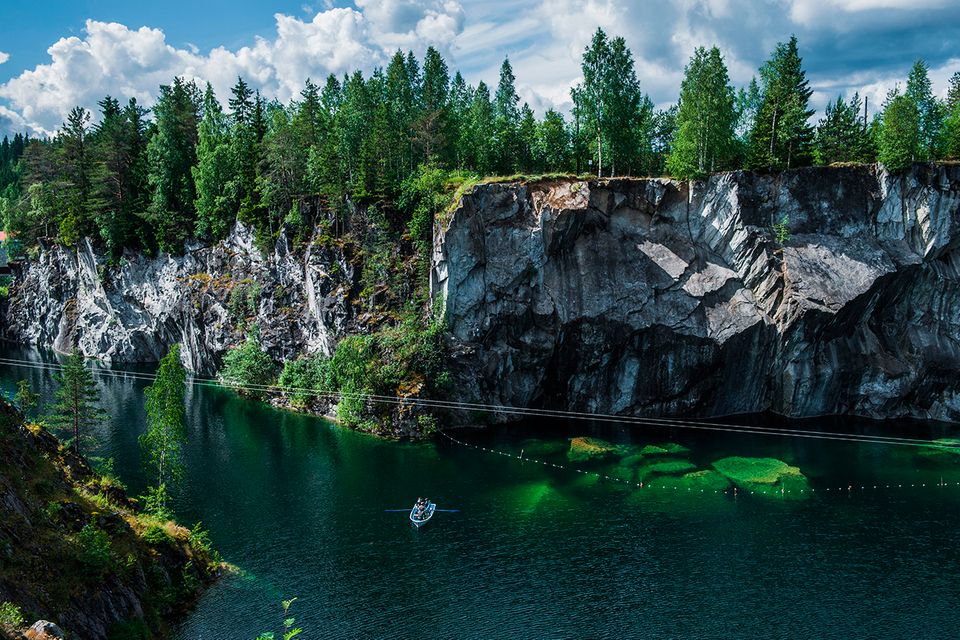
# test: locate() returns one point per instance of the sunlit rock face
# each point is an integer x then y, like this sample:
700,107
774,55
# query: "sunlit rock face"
208,299
657,297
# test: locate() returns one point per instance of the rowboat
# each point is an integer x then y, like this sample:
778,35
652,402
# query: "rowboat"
419,519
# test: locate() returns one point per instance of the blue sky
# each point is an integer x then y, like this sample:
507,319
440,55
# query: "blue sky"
56,54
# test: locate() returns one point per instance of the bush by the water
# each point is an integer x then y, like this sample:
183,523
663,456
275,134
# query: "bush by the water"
248,366
94,548
302,377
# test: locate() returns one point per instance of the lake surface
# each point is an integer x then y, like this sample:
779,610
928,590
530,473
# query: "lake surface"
536,552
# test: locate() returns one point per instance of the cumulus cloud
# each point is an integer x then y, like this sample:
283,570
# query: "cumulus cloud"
847,45
111,58
4,57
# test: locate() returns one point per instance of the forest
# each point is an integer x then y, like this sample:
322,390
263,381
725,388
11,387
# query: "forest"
189,167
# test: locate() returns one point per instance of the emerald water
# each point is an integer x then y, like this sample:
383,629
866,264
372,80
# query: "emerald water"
297,503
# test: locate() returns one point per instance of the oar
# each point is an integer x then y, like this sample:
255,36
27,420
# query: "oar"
448,510
395,510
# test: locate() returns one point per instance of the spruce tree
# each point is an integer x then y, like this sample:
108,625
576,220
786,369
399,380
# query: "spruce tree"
172,152
919,89
842,135
215,171
782,136
506,121
75,408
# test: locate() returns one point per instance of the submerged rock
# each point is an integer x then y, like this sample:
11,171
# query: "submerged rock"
942,450
664,468
765,476
585,449
664,449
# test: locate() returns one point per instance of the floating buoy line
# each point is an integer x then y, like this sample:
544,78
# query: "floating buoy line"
333,394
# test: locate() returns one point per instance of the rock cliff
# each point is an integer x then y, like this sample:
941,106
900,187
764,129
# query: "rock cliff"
633,296
656,297
207,299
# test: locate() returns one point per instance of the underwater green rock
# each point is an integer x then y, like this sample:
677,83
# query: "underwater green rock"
584,449
664,449
764,476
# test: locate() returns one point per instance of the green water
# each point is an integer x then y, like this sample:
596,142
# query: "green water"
538,552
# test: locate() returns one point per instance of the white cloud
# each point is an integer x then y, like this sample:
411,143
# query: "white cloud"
847,45
4,57
825,12
113,59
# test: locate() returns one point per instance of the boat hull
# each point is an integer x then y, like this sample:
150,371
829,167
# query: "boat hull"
425,518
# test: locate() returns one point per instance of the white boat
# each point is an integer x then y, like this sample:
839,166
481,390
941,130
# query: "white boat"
420,518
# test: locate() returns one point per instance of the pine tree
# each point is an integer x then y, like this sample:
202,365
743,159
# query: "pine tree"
431,125
782,136
75,410
162,442
705,138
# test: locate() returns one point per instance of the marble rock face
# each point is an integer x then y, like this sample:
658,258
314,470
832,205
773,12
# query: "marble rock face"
657,297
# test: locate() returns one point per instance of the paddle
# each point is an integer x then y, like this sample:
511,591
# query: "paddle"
395,510
448,510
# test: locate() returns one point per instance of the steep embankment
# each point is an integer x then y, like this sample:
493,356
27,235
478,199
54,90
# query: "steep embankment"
74,551
625,296
641,297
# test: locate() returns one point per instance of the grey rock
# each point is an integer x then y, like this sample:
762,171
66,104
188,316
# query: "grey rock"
657,297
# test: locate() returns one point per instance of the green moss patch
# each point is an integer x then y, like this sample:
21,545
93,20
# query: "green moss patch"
764,476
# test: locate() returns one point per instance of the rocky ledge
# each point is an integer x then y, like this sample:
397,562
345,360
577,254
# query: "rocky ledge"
658,297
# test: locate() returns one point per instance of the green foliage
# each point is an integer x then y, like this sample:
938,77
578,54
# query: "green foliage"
11,617
94,548
25,398
304,375
162,442
423,194
781,136
404,360
155,502
782,230
289,630
704,140
171,153
930,112
841,135
156,535
900,134
75,410
244,298
611,114
248,365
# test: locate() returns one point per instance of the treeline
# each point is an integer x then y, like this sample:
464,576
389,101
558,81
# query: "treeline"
190,168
